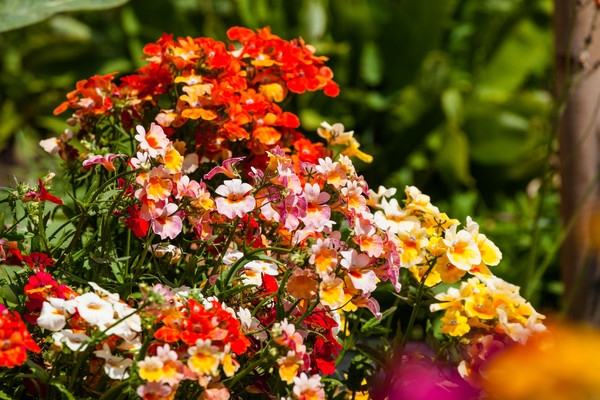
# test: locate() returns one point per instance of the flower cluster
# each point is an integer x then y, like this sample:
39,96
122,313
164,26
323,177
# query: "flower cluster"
197,340
248,257
226,100
490,304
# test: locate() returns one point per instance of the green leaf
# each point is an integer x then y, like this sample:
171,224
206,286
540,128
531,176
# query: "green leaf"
371,64
374,321
18,13
4,396
63,390
498,137
314,19
522,53
452,105
452,159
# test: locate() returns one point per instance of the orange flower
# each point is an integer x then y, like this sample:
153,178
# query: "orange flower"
561,363
14,338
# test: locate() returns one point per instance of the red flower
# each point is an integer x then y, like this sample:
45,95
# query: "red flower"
10,253
42,195
40,286
38,261
15,339
323,356
138,225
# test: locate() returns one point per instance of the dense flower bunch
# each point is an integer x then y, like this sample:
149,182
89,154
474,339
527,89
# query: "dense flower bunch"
247,256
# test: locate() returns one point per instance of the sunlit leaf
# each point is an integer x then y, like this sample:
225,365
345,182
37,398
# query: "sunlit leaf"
18,13
371,64
522,53
452,104
314,19
453,158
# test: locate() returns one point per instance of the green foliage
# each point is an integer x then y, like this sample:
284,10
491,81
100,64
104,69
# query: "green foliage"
19,13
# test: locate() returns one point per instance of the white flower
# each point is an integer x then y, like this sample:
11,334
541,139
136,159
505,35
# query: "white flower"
53,315
114,366
93,309
254,270
232,256
112,298
129,322
74,341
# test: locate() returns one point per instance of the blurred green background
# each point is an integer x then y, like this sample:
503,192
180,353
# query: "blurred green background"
452,96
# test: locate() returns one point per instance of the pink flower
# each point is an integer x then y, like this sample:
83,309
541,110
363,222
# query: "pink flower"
289,211
316,210
106,161
362,279
157,184
154,390
155,141
366,237
168,224
235,201
226,169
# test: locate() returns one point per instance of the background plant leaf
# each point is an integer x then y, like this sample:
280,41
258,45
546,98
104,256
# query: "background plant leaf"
19,13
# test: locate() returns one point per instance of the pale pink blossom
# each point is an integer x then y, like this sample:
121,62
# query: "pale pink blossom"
362,278
366,237
190,163
317,211
154,390
106,161
169,223
308,387
333,172
155,142
141,161
156,185
236,200
227,168
288,211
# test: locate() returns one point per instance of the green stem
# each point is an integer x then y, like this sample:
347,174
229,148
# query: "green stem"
417,305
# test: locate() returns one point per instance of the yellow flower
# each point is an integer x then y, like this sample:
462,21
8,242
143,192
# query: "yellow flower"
331,291
204,358
288,366
352,150
455,324
432,279
230,365
480,306
447,271
273,92
151,369
172,159
462,249
414,241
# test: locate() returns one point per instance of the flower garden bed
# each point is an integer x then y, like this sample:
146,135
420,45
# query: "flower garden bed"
202,247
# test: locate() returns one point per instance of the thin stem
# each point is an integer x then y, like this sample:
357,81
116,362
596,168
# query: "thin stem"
417,305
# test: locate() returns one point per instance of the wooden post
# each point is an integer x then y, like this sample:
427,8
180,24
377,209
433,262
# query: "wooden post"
577,51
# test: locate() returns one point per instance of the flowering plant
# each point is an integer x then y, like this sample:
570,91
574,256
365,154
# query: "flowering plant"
205,248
